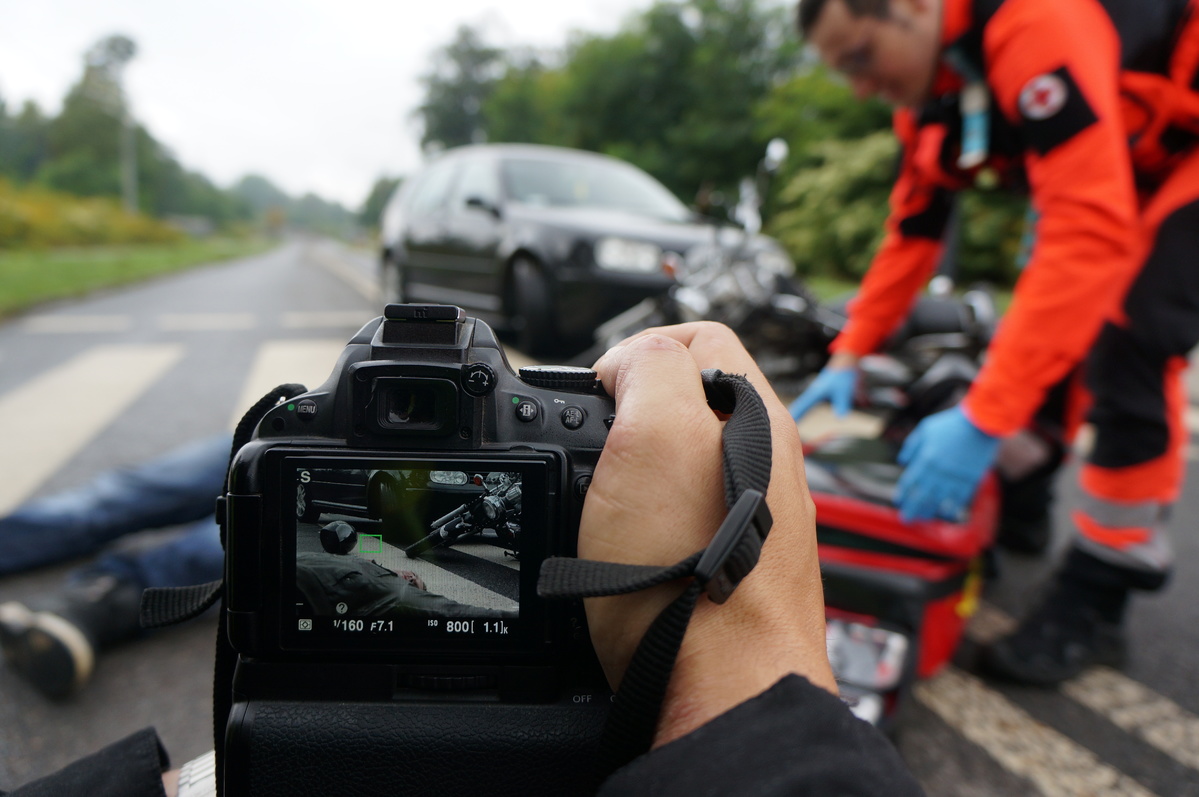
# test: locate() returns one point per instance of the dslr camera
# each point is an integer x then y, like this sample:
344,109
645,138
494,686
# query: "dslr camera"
384,535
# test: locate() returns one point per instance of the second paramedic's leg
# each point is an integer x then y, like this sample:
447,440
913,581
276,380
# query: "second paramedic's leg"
1134,473
1028,465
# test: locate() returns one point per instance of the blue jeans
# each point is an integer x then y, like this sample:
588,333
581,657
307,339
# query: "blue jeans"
178,488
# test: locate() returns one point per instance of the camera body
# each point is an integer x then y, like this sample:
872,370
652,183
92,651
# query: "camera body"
384,535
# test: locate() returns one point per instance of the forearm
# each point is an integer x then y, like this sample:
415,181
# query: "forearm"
792,739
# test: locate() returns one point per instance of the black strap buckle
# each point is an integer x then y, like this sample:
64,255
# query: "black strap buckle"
734,550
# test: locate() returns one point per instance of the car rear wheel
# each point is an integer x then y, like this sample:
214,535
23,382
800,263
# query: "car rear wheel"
529,308
393,282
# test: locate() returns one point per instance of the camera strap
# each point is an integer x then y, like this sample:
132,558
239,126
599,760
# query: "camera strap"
715,571
164,606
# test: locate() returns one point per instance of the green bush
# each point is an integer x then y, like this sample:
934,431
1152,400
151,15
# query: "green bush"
831,215
37,217
991,237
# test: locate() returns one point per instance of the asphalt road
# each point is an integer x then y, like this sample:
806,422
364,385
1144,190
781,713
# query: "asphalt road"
194,350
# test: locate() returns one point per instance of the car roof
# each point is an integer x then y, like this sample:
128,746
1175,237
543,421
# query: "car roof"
540,151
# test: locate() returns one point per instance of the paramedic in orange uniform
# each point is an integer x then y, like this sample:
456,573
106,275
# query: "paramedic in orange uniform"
1092,107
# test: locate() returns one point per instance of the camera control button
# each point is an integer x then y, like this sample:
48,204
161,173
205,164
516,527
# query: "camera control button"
573,417
582,485
478,379
560,377
526,411
306,409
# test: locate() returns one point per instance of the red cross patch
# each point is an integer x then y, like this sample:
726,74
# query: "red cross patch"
1043,96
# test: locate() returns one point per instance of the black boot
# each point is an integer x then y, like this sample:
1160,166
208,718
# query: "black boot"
1078,624
54,645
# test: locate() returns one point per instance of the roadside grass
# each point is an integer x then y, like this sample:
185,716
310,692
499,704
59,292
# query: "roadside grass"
29,277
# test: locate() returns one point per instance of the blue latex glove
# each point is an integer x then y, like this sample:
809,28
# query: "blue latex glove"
944,459
834,385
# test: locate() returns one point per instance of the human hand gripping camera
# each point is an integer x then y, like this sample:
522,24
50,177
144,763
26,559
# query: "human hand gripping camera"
332,697
658,496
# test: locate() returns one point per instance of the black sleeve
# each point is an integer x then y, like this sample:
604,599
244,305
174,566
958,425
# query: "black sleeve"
793,739
132,767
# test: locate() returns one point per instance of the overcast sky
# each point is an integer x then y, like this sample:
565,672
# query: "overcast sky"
316,95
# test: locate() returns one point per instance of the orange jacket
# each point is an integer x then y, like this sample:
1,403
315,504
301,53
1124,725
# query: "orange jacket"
1058,124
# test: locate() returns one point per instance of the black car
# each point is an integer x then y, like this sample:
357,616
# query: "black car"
549,242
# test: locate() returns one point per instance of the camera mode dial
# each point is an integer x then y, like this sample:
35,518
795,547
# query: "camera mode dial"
561,377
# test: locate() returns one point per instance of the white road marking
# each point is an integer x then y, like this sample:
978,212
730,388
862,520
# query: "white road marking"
49,419
308,362
1024,746
1140,711
346,272
206,322
320,319
67,324
1125,703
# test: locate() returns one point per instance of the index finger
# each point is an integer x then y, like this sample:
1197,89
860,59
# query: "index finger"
711,345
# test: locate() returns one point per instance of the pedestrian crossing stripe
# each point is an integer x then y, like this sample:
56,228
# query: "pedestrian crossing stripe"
1048,759
206,322
71,324
1127,704
49,419
278,362
322,319
1135,708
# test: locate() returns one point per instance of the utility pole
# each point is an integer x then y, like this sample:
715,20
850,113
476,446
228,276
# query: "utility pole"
128,159
111,55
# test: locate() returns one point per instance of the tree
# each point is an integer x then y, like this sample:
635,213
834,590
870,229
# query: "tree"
456,89
813,106
85,140
23,145
673,91
832,213
260,193
525,104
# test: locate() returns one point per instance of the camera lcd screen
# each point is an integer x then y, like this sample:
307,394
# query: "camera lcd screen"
416,553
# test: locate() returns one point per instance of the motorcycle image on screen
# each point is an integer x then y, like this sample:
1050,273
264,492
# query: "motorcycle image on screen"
497,509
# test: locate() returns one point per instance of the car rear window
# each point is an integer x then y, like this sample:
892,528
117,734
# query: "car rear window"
589,184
